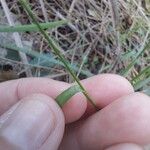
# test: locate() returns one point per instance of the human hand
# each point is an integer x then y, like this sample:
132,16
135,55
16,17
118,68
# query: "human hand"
31,119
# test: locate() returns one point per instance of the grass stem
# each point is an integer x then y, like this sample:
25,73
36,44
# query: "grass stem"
56,50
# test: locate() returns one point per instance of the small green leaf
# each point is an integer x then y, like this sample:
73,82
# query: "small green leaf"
67,94
32,27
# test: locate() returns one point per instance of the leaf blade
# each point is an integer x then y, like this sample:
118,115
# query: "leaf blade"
32,27
67,94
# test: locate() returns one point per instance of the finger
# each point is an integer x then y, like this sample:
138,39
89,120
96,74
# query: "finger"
125,120
102,88
34,122
12,91
106,88
125,146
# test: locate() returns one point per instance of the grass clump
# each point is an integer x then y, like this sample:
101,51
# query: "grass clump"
101,37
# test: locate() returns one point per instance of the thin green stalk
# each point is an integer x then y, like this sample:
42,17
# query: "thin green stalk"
56,50
31,27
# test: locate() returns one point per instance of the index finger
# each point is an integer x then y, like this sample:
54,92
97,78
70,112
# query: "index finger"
102,88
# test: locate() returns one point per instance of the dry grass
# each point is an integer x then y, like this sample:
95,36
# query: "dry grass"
102,36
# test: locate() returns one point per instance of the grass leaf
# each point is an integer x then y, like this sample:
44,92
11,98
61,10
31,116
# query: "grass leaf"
127,70
32,27
44,57
141,83
142,79
67,94
145,73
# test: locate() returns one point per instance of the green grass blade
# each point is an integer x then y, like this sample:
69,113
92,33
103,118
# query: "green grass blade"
125,71
67,94
141,83
32,27
44,57
142,79
142,75
56,50
31,53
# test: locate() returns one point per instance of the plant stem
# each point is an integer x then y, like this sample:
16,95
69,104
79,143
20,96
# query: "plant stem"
56,50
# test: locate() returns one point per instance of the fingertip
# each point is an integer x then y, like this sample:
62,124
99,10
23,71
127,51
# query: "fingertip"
72,110
124,83
75,108
106,88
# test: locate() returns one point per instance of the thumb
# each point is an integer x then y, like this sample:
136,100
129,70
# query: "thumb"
35,122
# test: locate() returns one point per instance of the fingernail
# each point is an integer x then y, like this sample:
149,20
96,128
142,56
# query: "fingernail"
30,124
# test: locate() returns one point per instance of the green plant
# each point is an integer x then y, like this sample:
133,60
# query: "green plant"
73,90
43,57
128,68
32,27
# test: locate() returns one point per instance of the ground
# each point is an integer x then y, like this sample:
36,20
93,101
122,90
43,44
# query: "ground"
101,36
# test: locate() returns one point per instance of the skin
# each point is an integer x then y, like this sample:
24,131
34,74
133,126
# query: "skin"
31,119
